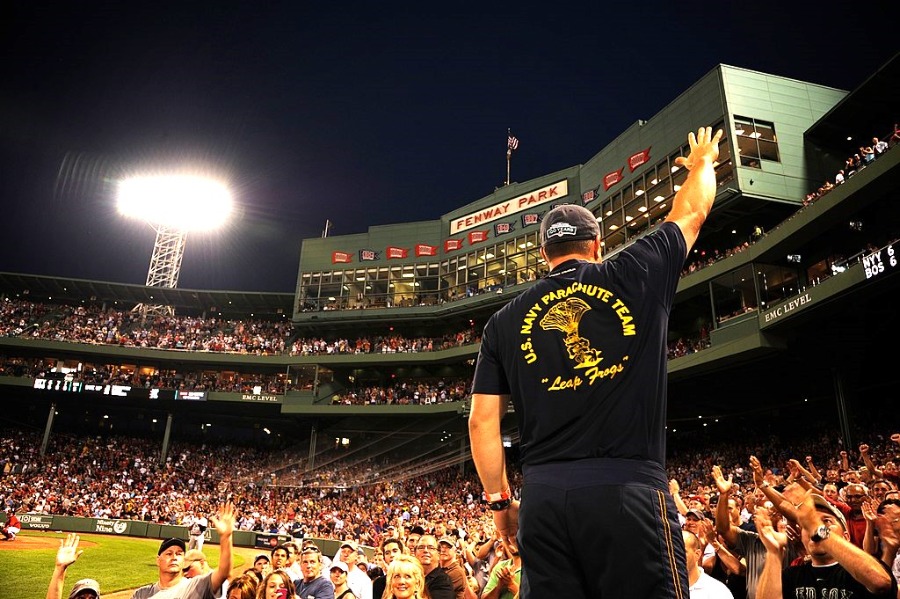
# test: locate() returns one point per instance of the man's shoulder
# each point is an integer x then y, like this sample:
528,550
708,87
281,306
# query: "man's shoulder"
144,592
358,575
314,585
187,588
715,588
438,574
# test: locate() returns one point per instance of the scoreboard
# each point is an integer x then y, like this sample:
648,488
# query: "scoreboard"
129,391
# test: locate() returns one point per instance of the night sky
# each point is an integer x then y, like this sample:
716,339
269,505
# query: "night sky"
363,113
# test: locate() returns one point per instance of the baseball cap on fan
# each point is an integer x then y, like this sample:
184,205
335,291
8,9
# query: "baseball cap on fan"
85,584
170,543
568,223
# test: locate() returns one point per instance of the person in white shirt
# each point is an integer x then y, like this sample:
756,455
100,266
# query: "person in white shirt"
701,585
358,581
197,531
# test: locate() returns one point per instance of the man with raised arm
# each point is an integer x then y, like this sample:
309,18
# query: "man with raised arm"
837,567
581,355
172,583
66,555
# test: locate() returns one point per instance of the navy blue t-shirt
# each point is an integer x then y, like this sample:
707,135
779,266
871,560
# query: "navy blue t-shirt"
583,354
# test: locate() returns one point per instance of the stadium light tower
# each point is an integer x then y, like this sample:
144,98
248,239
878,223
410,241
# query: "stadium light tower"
173,205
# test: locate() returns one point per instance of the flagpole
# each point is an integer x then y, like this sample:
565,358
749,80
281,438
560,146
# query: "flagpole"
508,153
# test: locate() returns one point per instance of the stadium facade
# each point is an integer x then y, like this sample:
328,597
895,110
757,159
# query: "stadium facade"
787,304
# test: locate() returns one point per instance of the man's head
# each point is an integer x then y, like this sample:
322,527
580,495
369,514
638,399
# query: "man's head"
338,574
832,518
427,553
734,510
86,588
446,551
293,550
879,489
194,564
830,491
279,557
349,553
440,530
692,520
693,550
412,538
391,548
170,556
889,509
262,564
311,564
864,474
567,230
855,494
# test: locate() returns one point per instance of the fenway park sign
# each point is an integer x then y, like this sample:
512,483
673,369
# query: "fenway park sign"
552,192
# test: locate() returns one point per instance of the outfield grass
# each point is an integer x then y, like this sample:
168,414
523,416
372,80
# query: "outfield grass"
117,563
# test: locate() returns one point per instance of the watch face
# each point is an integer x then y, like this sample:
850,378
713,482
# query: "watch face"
821,533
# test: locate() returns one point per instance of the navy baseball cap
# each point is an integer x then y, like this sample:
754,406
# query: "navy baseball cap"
568,223
170,543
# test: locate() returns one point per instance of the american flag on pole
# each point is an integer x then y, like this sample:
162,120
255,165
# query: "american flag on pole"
512,142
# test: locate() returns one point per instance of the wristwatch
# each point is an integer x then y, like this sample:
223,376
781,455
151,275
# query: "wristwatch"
820,534
499,506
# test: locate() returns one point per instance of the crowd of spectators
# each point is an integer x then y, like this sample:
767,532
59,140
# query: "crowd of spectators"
406,393
390,344
120,478
100,325
866,155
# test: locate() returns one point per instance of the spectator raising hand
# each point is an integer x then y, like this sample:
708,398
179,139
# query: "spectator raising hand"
67,554
722,484
773,540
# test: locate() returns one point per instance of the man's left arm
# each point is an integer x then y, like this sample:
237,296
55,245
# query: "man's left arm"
224,523
693,201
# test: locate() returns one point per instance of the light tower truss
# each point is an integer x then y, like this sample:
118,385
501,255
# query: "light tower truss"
165,266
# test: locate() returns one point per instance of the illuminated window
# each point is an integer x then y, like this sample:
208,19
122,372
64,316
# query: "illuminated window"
756,141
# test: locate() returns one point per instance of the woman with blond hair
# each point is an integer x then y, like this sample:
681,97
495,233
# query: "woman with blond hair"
405,579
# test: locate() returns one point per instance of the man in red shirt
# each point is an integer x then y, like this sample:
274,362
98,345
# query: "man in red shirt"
11,528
